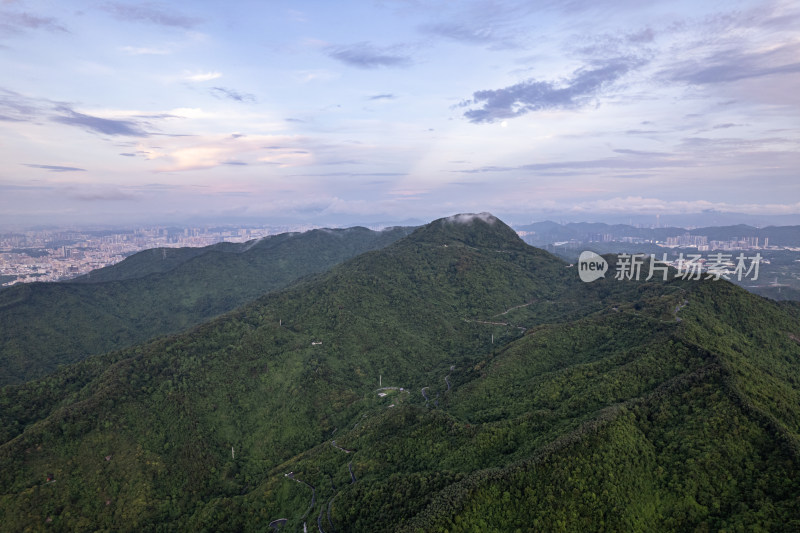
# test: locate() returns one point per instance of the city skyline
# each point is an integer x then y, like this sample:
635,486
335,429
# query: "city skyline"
136,112
62,254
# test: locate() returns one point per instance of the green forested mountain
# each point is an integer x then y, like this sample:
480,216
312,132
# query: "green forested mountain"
158,291
456,380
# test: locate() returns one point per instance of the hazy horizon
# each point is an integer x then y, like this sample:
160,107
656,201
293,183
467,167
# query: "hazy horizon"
687,221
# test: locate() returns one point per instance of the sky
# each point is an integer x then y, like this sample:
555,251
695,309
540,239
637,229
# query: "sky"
122,112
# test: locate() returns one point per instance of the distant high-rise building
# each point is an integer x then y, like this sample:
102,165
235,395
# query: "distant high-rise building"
688,240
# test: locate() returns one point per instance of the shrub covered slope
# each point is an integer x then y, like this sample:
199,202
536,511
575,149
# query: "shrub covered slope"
156,292
512,397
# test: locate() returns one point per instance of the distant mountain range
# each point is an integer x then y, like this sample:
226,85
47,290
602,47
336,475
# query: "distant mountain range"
707,218
454,380
549,232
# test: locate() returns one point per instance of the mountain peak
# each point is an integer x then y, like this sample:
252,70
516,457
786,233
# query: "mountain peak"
472,229
468,218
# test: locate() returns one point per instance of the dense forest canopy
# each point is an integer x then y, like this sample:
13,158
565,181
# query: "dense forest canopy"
454,380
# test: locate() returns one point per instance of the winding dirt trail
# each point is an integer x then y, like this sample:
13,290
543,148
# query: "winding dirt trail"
333,443
515,307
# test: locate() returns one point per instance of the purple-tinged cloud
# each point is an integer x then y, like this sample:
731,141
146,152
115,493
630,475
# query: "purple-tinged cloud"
56,168
11,22
158,116
531,95
352,174
17,108
387,96
150,13
733,144
646,35
230,94
97,124
104,196
639,161
364,55
627,151
460,32
736,64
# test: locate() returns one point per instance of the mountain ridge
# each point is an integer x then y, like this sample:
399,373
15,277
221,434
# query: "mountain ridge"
158,292
590,405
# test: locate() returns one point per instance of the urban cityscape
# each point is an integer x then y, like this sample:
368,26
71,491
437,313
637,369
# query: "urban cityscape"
61,254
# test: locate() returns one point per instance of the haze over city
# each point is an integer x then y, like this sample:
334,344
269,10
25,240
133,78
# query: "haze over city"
336,112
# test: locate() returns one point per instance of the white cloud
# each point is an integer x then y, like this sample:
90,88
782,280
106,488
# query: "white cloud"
205,152
305,76
466,218
202,76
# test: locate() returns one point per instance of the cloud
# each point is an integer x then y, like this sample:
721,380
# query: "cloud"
646,35
97,124
104,196
610,46
9,187
735,64
150,13
152,187
626,151
489,23
157,116
460,32
128,155
386,96
205,152
364,55
352,174
56,168
203,76
15,107
230,94
342,162
531,95
468,218
639,161
735,145
11,22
